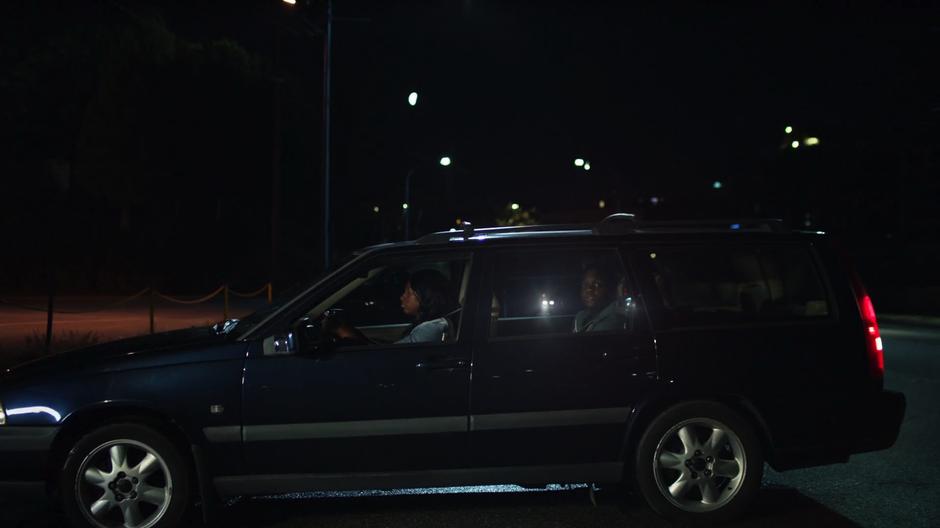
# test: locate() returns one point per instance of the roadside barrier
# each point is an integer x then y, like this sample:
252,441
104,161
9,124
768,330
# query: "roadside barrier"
154,295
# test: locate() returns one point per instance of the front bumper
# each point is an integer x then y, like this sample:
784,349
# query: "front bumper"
24,453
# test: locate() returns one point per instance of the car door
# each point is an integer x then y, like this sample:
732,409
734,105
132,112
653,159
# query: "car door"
543,394
373,408
752,318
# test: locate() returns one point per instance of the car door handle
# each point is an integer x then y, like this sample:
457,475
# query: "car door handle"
442,363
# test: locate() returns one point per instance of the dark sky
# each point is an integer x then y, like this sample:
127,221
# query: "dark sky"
163,114
655,98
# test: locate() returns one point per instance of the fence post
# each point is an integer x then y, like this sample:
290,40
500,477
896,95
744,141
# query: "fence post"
225,304
49,312
269,293
151,308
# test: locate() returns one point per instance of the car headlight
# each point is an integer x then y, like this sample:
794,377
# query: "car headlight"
3,415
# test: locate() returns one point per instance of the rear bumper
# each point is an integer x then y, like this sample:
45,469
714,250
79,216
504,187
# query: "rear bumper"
24,453
828,429
876,424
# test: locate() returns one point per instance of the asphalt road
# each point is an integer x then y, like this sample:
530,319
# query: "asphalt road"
897,487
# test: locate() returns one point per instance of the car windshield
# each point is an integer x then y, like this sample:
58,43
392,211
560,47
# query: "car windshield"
282,299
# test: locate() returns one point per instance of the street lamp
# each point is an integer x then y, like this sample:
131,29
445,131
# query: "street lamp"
445,161
578,162
514,206
788,129
795,144
413,98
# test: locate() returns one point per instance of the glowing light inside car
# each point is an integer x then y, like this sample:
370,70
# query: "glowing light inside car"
35,410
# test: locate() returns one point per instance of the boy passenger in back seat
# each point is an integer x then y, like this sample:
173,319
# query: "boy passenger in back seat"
603,309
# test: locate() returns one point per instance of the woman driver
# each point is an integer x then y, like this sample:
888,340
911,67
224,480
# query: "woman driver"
427,299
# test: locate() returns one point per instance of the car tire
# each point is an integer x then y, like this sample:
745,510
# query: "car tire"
125,474
699,463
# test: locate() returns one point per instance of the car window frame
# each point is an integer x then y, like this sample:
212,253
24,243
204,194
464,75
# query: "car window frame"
391,258
483,314
657,311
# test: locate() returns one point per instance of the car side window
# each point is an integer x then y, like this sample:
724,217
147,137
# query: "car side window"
396,303
726,285
573,291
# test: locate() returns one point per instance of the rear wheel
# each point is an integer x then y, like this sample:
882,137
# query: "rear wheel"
124,475
699,462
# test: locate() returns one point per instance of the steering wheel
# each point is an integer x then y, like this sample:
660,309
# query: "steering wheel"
338,331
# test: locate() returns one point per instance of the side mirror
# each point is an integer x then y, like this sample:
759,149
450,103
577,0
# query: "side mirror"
280,345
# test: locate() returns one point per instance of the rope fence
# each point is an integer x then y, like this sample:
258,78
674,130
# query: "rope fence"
154,295
108,306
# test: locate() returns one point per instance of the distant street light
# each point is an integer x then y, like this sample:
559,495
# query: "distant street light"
578,162
514,206
601,204
587,166
717,185
404,206
810,141
788,130
375,209
795,144
412,97
445,161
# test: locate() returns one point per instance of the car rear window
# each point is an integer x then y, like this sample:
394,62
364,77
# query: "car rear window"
726,285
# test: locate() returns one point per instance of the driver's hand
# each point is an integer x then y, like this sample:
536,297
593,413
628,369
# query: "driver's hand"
333,324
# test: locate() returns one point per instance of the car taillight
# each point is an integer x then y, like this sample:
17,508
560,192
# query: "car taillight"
876,354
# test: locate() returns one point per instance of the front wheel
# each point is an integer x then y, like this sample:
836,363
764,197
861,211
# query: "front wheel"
124,475
699,462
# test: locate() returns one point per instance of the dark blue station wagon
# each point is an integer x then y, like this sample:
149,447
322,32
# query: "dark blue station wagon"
675,357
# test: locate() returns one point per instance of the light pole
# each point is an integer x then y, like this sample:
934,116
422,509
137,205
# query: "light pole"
327,59
327,150
445,161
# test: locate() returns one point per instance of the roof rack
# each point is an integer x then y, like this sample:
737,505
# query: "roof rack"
469,233
615,224
770,225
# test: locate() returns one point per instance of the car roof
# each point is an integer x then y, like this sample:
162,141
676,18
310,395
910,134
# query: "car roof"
618,225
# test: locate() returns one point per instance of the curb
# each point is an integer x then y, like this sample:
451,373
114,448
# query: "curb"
919,320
